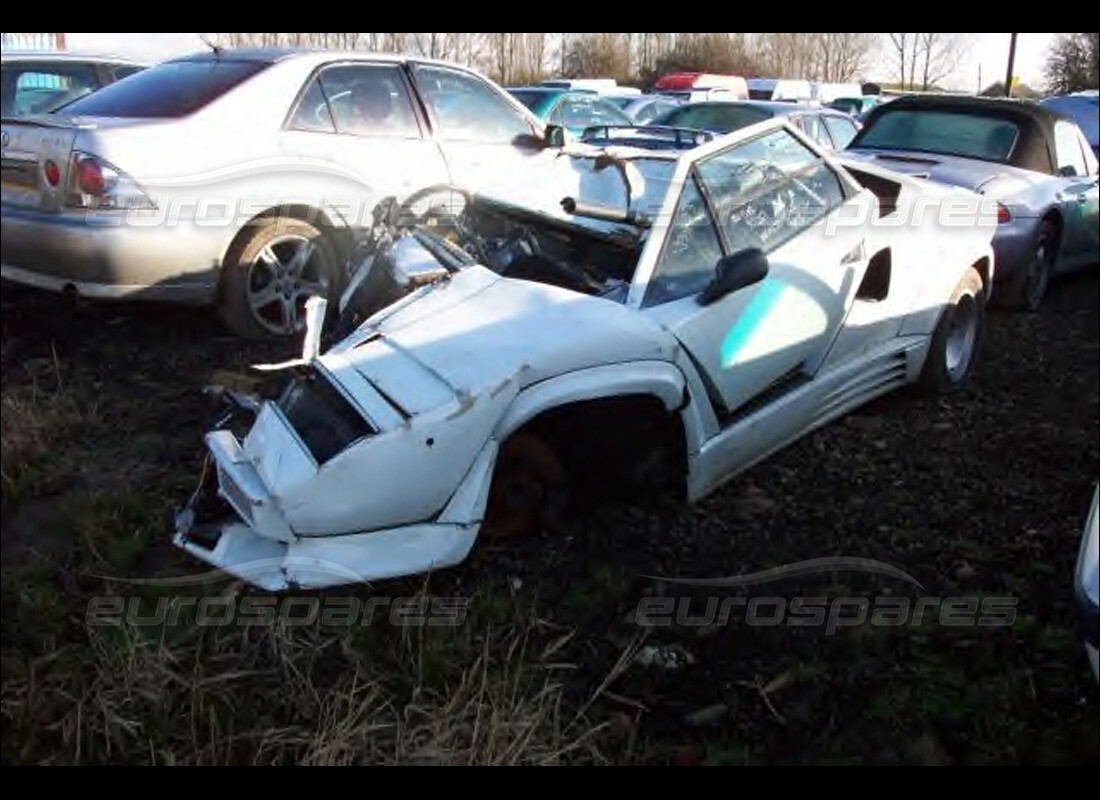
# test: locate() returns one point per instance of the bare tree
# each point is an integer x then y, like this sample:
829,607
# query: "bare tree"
842,56
900,43
535,50
600,55
940,54
925,59
705,52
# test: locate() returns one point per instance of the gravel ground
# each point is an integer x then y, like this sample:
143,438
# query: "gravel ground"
978,495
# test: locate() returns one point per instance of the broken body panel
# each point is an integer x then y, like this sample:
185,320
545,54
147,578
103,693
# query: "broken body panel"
378,459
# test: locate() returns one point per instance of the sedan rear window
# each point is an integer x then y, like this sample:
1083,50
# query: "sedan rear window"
170,90
943,132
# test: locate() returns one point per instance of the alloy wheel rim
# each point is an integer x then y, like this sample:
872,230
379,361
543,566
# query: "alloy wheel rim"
282,276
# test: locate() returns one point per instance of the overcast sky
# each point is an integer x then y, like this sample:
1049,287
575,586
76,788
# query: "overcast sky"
989,51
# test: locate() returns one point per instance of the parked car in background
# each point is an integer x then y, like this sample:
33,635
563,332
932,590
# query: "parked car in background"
780,89
1084,109
571,109
1086,585
825,93
242,177
540,352
647,107
597,85
831,129
1033,161
695,86
39,82
856,106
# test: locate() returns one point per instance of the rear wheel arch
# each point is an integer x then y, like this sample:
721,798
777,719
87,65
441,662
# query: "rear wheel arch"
1054,216
245,301
981,266
327,220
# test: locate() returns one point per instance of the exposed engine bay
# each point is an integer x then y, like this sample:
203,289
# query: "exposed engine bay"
439,230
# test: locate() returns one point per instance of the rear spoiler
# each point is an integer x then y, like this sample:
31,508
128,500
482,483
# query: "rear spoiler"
681,137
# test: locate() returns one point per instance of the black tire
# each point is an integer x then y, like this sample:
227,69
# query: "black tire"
1028,288
529,490
262,300
957,339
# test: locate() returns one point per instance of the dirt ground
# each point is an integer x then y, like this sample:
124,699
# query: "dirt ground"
981,495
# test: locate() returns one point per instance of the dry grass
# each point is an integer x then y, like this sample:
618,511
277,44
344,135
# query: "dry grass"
491,691
301,694
35,417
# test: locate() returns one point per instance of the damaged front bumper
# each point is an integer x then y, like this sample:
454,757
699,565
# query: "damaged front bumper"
233,524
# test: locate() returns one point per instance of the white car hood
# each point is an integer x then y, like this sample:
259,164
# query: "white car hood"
479,331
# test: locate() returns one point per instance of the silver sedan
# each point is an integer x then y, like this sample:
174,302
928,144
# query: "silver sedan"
242,177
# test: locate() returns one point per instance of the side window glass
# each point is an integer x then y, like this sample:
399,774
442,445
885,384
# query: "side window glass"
1071,161
815,129
467,108
312,113
120,71
841,130
690,254
369,100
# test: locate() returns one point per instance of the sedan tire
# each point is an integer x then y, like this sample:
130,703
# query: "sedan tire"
275,265
1029,287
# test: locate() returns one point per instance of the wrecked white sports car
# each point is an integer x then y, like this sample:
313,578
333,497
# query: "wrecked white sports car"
731,298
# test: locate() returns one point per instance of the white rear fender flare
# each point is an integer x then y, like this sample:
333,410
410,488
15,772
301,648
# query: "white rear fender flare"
925,314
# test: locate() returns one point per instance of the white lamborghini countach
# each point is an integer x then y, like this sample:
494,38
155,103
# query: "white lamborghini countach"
667,319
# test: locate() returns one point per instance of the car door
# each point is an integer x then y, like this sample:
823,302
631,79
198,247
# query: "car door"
775,193
359,117
1077,192
489,144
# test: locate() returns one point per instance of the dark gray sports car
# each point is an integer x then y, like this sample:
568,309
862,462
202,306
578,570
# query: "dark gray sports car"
1033,161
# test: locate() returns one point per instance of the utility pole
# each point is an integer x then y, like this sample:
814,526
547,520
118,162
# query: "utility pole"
1011,62
979,79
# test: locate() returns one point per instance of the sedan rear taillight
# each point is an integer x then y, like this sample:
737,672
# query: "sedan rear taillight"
1004,216
52,172
89,176
97,184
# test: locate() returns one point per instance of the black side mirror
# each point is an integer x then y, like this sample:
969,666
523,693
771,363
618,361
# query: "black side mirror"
735,271
1067,171
555,136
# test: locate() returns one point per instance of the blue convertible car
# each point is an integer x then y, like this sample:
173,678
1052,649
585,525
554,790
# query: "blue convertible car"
1032,160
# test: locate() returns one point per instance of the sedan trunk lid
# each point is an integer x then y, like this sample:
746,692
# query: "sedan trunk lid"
29,144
